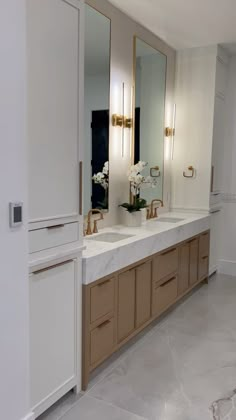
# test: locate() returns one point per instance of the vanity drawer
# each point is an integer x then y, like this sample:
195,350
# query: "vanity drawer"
204,244
53,236
165,264
164,294
102,341
102,299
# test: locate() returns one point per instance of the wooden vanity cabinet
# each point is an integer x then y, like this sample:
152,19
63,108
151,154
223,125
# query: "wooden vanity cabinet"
119,306
203,260
126,304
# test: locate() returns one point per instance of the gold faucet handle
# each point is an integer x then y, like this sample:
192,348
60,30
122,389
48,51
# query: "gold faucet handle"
148,213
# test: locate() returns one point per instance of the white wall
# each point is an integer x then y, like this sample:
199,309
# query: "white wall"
14,355
228,228
195,96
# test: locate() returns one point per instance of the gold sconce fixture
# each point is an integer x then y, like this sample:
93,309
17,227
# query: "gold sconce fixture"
190,169
121,121
169,132
128,122
117,120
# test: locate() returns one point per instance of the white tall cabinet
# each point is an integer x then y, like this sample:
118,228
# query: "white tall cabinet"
199,140
55,131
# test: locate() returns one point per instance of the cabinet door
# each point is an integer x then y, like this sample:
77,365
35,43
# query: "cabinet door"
52,42
52,330
203,266
215,220
126,304
193,261
183,277
143,294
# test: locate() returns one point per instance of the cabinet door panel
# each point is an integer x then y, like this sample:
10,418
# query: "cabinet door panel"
183,277
143,294
193,262
52,41
126,304
52,330
165,264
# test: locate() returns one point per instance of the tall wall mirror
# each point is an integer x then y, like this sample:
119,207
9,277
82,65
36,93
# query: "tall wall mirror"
150,90
97,114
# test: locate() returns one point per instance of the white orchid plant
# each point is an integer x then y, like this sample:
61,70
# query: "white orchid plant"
102,178
138,181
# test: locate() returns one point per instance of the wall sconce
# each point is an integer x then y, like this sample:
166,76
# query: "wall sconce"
169,132
128,122
117,120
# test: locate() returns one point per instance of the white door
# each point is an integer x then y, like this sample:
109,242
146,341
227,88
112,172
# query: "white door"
52,37
218,144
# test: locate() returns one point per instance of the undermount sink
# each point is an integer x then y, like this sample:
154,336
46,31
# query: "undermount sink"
169,219
110,237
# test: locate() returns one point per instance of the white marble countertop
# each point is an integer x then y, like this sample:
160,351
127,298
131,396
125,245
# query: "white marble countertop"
37,259
101,258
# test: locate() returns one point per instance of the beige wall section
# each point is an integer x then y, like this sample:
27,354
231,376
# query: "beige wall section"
123,30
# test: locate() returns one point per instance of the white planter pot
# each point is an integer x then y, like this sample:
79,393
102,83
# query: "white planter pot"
133,219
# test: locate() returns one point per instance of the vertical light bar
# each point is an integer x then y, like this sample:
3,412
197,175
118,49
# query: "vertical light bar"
123,113
173,132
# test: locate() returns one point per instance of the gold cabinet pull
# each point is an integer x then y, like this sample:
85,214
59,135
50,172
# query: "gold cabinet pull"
168,252
43,270
168,281
104,282
104,324
55,227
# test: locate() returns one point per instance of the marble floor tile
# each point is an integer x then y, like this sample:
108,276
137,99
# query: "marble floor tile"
187,364
183,368
91,409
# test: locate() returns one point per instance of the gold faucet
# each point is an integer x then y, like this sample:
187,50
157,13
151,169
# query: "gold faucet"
153,211
95,228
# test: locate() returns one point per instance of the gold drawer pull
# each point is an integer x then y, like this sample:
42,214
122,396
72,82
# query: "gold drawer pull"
42,270
168,281
168,252
104,282
205,258
55,227
104,324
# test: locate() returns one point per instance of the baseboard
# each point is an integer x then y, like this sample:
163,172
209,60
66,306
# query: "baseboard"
227,267
29,416
213,270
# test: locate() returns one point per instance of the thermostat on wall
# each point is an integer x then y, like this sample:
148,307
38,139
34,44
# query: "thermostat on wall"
16,216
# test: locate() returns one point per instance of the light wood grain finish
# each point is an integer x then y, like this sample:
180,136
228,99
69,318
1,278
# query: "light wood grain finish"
102,299
164,294
143,294
102,341
183,279
130,299
126,304
165,264
193,261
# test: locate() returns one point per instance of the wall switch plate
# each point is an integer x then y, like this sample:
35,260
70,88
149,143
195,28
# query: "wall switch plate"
15,214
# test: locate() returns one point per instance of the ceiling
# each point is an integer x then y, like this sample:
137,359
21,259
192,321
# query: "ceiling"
185,23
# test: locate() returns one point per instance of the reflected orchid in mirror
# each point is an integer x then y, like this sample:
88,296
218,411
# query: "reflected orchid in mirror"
138,181
102,178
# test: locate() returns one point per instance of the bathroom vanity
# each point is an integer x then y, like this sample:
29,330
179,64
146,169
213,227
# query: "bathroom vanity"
131,282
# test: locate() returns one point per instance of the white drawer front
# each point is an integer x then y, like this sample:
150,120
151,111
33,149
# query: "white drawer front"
53,236
52,329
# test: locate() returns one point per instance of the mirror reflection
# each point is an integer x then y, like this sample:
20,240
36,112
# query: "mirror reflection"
97,95
150,89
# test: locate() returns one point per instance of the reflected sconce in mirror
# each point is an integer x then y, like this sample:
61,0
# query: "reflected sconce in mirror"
191,170
169,132
155,172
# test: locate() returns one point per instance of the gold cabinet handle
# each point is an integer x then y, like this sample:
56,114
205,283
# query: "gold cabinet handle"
43,270
168,281
104,282
104,324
